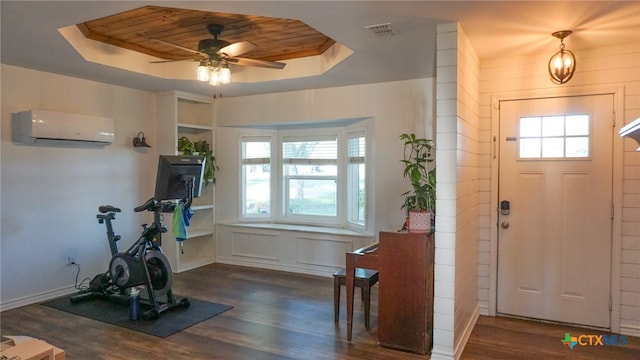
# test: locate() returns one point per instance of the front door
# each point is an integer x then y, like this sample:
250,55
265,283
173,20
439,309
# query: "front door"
555,200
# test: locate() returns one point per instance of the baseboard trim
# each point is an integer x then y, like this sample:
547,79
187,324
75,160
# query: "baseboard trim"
630,330
436,355
466,334
277,267
443,354
484,310
37,298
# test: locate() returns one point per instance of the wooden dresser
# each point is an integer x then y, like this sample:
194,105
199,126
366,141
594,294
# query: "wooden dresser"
405,303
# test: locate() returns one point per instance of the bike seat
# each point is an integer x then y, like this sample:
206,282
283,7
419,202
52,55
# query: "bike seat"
146,206
108,208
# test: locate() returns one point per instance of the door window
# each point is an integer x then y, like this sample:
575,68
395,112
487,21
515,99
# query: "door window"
554,137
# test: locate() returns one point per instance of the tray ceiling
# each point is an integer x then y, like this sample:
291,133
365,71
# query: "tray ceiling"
35,35
276,38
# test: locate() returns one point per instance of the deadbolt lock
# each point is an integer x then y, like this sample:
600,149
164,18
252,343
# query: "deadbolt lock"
505,207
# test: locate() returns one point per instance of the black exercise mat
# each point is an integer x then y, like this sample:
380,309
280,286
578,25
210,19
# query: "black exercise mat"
169,322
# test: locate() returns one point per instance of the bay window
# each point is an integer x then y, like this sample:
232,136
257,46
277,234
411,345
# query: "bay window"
314,177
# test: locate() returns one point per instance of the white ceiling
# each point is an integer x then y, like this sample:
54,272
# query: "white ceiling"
30,37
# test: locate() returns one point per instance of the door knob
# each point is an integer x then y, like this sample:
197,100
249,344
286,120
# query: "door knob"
505,224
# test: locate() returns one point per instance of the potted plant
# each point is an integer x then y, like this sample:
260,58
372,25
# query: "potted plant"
185,146
200,148
419,202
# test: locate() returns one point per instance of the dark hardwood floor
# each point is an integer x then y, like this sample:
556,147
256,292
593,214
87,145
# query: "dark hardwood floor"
279,315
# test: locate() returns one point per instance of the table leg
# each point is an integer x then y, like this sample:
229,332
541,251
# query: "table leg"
349,285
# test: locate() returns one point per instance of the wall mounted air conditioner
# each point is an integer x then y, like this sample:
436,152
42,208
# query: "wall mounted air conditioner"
44,127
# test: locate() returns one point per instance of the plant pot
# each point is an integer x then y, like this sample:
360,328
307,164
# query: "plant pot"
419,222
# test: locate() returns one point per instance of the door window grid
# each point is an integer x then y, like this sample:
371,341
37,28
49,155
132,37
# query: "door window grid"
554,137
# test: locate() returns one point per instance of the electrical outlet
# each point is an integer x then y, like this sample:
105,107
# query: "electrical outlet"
71,261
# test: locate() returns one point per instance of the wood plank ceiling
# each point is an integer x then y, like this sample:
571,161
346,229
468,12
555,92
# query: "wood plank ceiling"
276,38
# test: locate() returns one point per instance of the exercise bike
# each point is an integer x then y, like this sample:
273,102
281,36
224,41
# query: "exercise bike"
144,264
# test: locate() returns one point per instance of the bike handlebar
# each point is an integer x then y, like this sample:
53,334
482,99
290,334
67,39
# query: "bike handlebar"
149,205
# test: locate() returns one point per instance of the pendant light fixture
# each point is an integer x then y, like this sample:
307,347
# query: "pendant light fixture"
562,64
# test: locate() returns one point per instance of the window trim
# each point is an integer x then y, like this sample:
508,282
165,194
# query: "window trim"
311,134
353,204
343,132
242,177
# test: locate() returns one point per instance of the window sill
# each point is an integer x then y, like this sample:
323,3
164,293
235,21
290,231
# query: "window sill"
301,228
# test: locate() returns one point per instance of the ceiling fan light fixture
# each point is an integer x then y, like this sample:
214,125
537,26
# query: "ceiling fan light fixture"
215,54
225,74
219,73
562,65
214,76
203,71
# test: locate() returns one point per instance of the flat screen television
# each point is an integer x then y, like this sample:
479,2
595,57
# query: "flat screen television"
174,173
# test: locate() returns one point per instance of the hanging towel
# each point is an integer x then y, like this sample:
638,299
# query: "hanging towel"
186,215
181,219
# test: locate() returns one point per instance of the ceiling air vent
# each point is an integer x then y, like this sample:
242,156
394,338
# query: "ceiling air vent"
382,30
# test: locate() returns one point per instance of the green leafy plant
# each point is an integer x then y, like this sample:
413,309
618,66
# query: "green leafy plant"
201,148
416,160
185,146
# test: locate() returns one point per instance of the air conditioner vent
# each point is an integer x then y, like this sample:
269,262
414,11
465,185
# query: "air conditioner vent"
382,30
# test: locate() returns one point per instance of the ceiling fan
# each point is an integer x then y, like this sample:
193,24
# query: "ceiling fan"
218,51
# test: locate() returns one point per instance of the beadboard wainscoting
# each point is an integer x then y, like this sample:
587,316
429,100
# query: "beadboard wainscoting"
309,250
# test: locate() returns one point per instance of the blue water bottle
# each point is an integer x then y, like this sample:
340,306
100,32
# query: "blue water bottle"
134,304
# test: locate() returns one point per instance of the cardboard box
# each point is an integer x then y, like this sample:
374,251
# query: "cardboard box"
32,349
28,348
6,343
58,353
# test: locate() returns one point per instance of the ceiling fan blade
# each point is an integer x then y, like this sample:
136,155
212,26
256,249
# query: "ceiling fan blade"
181,47
257,63
175,60
237,49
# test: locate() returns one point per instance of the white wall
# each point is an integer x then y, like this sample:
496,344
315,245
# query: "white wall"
460,158
607,69
465,87
50,195
395,107
471,157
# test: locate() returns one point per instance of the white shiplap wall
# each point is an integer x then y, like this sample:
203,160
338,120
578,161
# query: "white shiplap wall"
614,69
459,161
629,70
